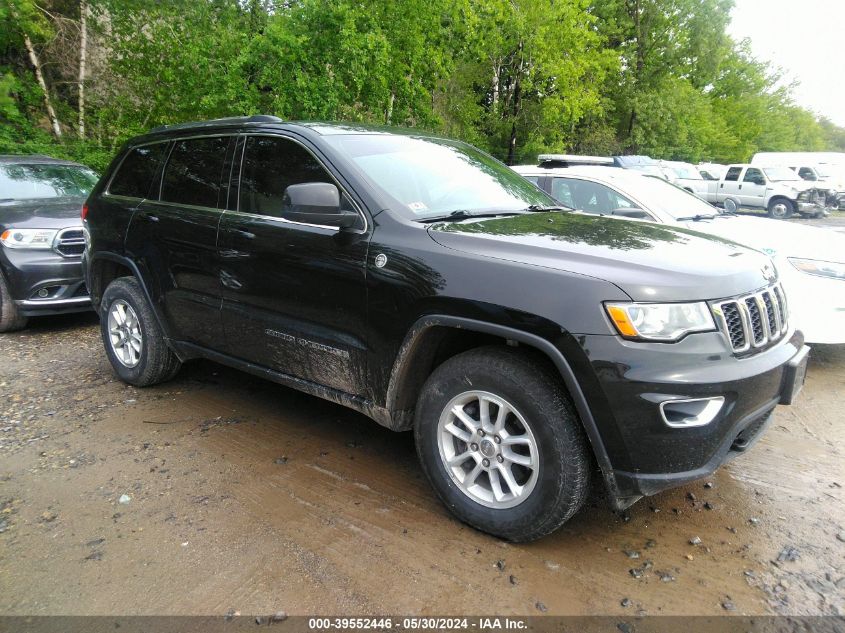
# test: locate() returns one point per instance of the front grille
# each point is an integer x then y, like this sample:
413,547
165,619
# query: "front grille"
758,331
734,327
70,243
753,321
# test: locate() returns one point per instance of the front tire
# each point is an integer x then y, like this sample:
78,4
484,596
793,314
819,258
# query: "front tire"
501,444
10,317
781,209
132,338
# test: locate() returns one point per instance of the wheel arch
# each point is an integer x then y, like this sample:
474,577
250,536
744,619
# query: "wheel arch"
417,359
105,268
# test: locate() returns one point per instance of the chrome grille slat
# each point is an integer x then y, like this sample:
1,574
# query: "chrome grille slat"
70,243
753,321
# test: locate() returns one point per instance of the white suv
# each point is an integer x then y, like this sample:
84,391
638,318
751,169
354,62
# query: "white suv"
811,261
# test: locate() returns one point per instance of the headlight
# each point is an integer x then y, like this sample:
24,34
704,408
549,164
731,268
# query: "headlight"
660,321
833,270
28,238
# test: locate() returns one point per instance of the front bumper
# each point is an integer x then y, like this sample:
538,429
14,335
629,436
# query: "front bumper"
44,282
633,379
816,305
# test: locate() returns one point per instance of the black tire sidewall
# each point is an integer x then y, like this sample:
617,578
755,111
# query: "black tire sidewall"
556,494
790,208
10,317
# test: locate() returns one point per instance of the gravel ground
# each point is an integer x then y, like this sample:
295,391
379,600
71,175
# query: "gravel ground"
219,492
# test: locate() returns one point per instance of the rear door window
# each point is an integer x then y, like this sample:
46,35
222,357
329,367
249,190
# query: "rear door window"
733,173
194,170
134,177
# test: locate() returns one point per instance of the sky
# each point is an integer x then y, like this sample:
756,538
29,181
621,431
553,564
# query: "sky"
805,39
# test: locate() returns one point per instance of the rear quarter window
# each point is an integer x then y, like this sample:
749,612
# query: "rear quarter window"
134,177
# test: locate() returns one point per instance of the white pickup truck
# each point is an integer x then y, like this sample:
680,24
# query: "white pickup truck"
779,190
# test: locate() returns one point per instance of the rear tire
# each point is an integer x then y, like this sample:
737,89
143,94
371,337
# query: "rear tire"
134,342
530,430
781,208
10,317
730,205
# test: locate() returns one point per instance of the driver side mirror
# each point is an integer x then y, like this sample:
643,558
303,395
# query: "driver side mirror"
316,203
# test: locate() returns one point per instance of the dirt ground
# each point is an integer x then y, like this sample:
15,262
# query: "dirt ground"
243,495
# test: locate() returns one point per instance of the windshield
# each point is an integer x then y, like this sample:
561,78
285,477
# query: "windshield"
831,171
430,177
43,180
658,195
687,172
778,174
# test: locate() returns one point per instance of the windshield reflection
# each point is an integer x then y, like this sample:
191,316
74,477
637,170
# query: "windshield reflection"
38,181
431,177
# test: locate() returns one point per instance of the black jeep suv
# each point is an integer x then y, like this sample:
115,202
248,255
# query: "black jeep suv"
425,284
41,240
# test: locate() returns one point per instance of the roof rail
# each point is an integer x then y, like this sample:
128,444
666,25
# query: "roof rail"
569,160
235,120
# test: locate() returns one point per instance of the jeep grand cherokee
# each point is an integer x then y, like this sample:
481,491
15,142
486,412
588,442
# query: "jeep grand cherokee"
423,283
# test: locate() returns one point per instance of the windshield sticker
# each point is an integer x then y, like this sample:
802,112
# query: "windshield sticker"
417,207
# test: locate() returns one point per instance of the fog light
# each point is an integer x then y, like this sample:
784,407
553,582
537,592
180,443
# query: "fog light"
43,293
684,414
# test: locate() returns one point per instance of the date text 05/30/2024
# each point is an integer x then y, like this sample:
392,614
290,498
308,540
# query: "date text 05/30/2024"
417,624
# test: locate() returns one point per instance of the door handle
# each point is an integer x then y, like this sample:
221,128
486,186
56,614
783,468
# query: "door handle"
740,186
244,234
152,218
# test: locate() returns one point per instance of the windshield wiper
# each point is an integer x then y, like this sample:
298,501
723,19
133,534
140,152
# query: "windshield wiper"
540,208
696,218
463,215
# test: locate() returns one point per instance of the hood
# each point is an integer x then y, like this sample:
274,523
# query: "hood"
648,261
53,213
775,238
798,185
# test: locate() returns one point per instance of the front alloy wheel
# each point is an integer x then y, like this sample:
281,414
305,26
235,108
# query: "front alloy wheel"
501,444
488,449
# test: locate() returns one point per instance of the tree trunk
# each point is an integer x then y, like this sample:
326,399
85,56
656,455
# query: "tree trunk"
517,103
388,115
39,76
83,53
496,70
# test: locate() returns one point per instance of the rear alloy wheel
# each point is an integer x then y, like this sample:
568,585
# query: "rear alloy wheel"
134,342
730,206
781,208
501,444
125,336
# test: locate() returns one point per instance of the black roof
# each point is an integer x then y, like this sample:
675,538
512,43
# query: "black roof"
321,128
34,159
